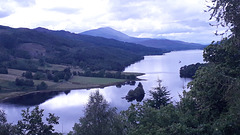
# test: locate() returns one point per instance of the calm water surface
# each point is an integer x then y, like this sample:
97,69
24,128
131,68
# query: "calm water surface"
69,106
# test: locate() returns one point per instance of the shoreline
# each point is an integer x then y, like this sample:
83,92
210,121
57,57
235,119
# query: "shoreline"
13,95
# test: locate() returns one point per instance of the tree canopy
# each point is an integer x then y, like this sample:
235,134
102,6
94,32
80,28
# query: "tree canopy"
99,118
226,13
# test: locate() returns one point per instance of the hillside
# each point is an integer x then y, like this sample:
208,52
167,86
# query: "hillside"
108,32
165,44
62,47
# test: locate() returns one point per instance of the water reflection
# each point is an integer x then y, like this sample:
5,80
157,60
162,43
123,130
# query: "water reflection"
32,99
69,106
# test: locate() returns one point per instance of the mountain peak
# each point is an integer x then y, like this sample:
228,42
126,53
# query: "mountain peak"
166,44
107,28
107,32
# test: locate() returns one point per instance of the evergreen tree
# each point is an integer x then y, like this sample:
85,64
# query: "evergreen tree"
159,96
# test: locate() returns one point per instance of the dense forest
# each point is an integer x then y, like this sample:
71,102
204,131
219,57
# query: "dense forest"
22,45
210,107
188,71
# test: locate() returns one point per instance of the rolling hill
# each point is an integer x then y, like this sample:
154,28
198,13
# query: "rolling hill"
21,45
165,44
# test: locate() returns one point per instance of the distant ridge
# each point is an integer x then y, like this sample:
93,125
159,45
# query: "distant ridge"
165,44
107,32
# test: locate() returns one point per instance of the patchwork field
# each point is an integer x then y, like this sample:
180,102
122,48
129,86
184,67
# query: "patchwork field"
9,88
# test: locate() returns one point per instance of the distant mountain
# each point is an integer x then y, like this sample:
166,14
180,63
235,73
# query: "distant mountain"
63,47
108,32
165,44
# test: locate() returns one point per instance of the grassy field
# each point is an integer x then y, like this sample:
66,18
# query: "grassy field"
15,72
80,82
53,67
94,80
9,89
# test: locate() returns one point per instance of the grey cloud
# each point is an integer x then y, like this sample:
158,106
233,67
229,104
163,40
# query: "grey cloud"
8,8
126,13
5,13
65,10
125,9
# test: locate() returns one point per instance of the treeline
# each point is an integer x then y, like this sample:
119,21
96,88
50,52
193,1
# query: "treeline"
3,70
62,47
64,75
26,84
188,71
104,74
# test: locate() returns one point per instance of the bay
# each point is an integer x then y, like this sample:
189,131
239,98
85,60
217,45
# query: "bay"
69,106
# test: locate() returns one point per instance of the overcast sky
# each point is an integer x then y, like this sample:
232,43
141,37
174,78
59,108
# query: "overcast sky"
173,19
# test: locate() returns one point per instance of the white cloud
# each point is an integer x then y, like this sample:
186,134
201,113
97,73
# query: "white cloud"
178,19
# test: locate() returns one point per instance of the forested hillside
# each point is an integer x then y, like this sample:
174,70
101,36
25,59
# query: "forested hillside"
62,47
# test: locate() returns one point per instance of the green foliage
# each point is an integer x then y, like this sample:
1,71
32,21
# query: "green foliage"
57,75
74,73
42,86
21,64
210,90
39,76
146,120
21,54
32,123
49,76
41,62
4,57
3,70
141,119
67,74
62,47
22,82
55,78
159,96
8,40
99,118
215,92
190,70
5,128
28,75
225,55
226,13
